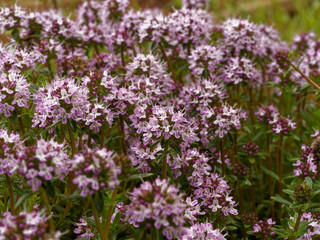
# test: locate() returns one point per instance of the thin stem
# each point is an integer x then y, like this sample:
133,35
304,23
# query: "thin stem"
109,214
269,168
280,172
252,191
164,162
102,136
70,187
259,174
80,143
235,149
168,62
65,213
251,107
280,164
123,135
45,202
72,143
21,124
122,60
296,226
55,4
240,198
11,195
223,163
305,76
50,70
97,220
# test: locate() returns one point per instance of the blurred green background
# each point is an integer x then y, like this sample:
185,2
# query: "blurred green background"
288,16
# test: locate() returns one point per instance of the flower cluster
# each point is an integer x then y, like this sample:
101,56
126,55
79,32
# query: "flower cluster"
302,193
282,58
204,60
240,70
194,3
84,229
26,225
307,164
249,219
225,118
162,122
314,225
147,74
268,114
157,205
214,194
95,170
14,93
262,229
260,40
239,170
11,147
43,161
192,164
283,126
203,231
250,149
200,95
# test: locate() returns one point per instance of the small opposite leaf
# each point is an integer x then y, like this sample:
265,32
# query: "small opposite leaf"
98,200
281,200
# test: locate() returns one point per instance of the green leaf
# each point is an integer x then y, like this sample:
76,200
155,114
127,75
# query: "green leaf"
309,182
231,228
22,199
288,191
252,160
48,186
281,200
73,125
15,34
247,129
140,176
90,221
230,138
98,200
96,138
270,173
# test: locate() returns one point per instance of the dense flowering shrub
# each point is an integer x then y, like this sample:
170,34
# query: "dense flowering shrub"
124,123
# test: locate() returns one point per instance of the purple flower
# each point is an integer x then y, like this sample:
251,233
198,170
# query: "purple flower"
214,194
250,149
147,77
43,161
195,3
157,205
163,122
14,93
84,229
262,229
192,164
11,147
26,225
282,125
268,114
307,165
203,231
95,170
240,70
225,118
205,60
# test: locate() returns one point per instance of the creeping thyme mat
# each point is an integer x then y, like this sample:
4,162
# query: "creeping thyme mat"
126,124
